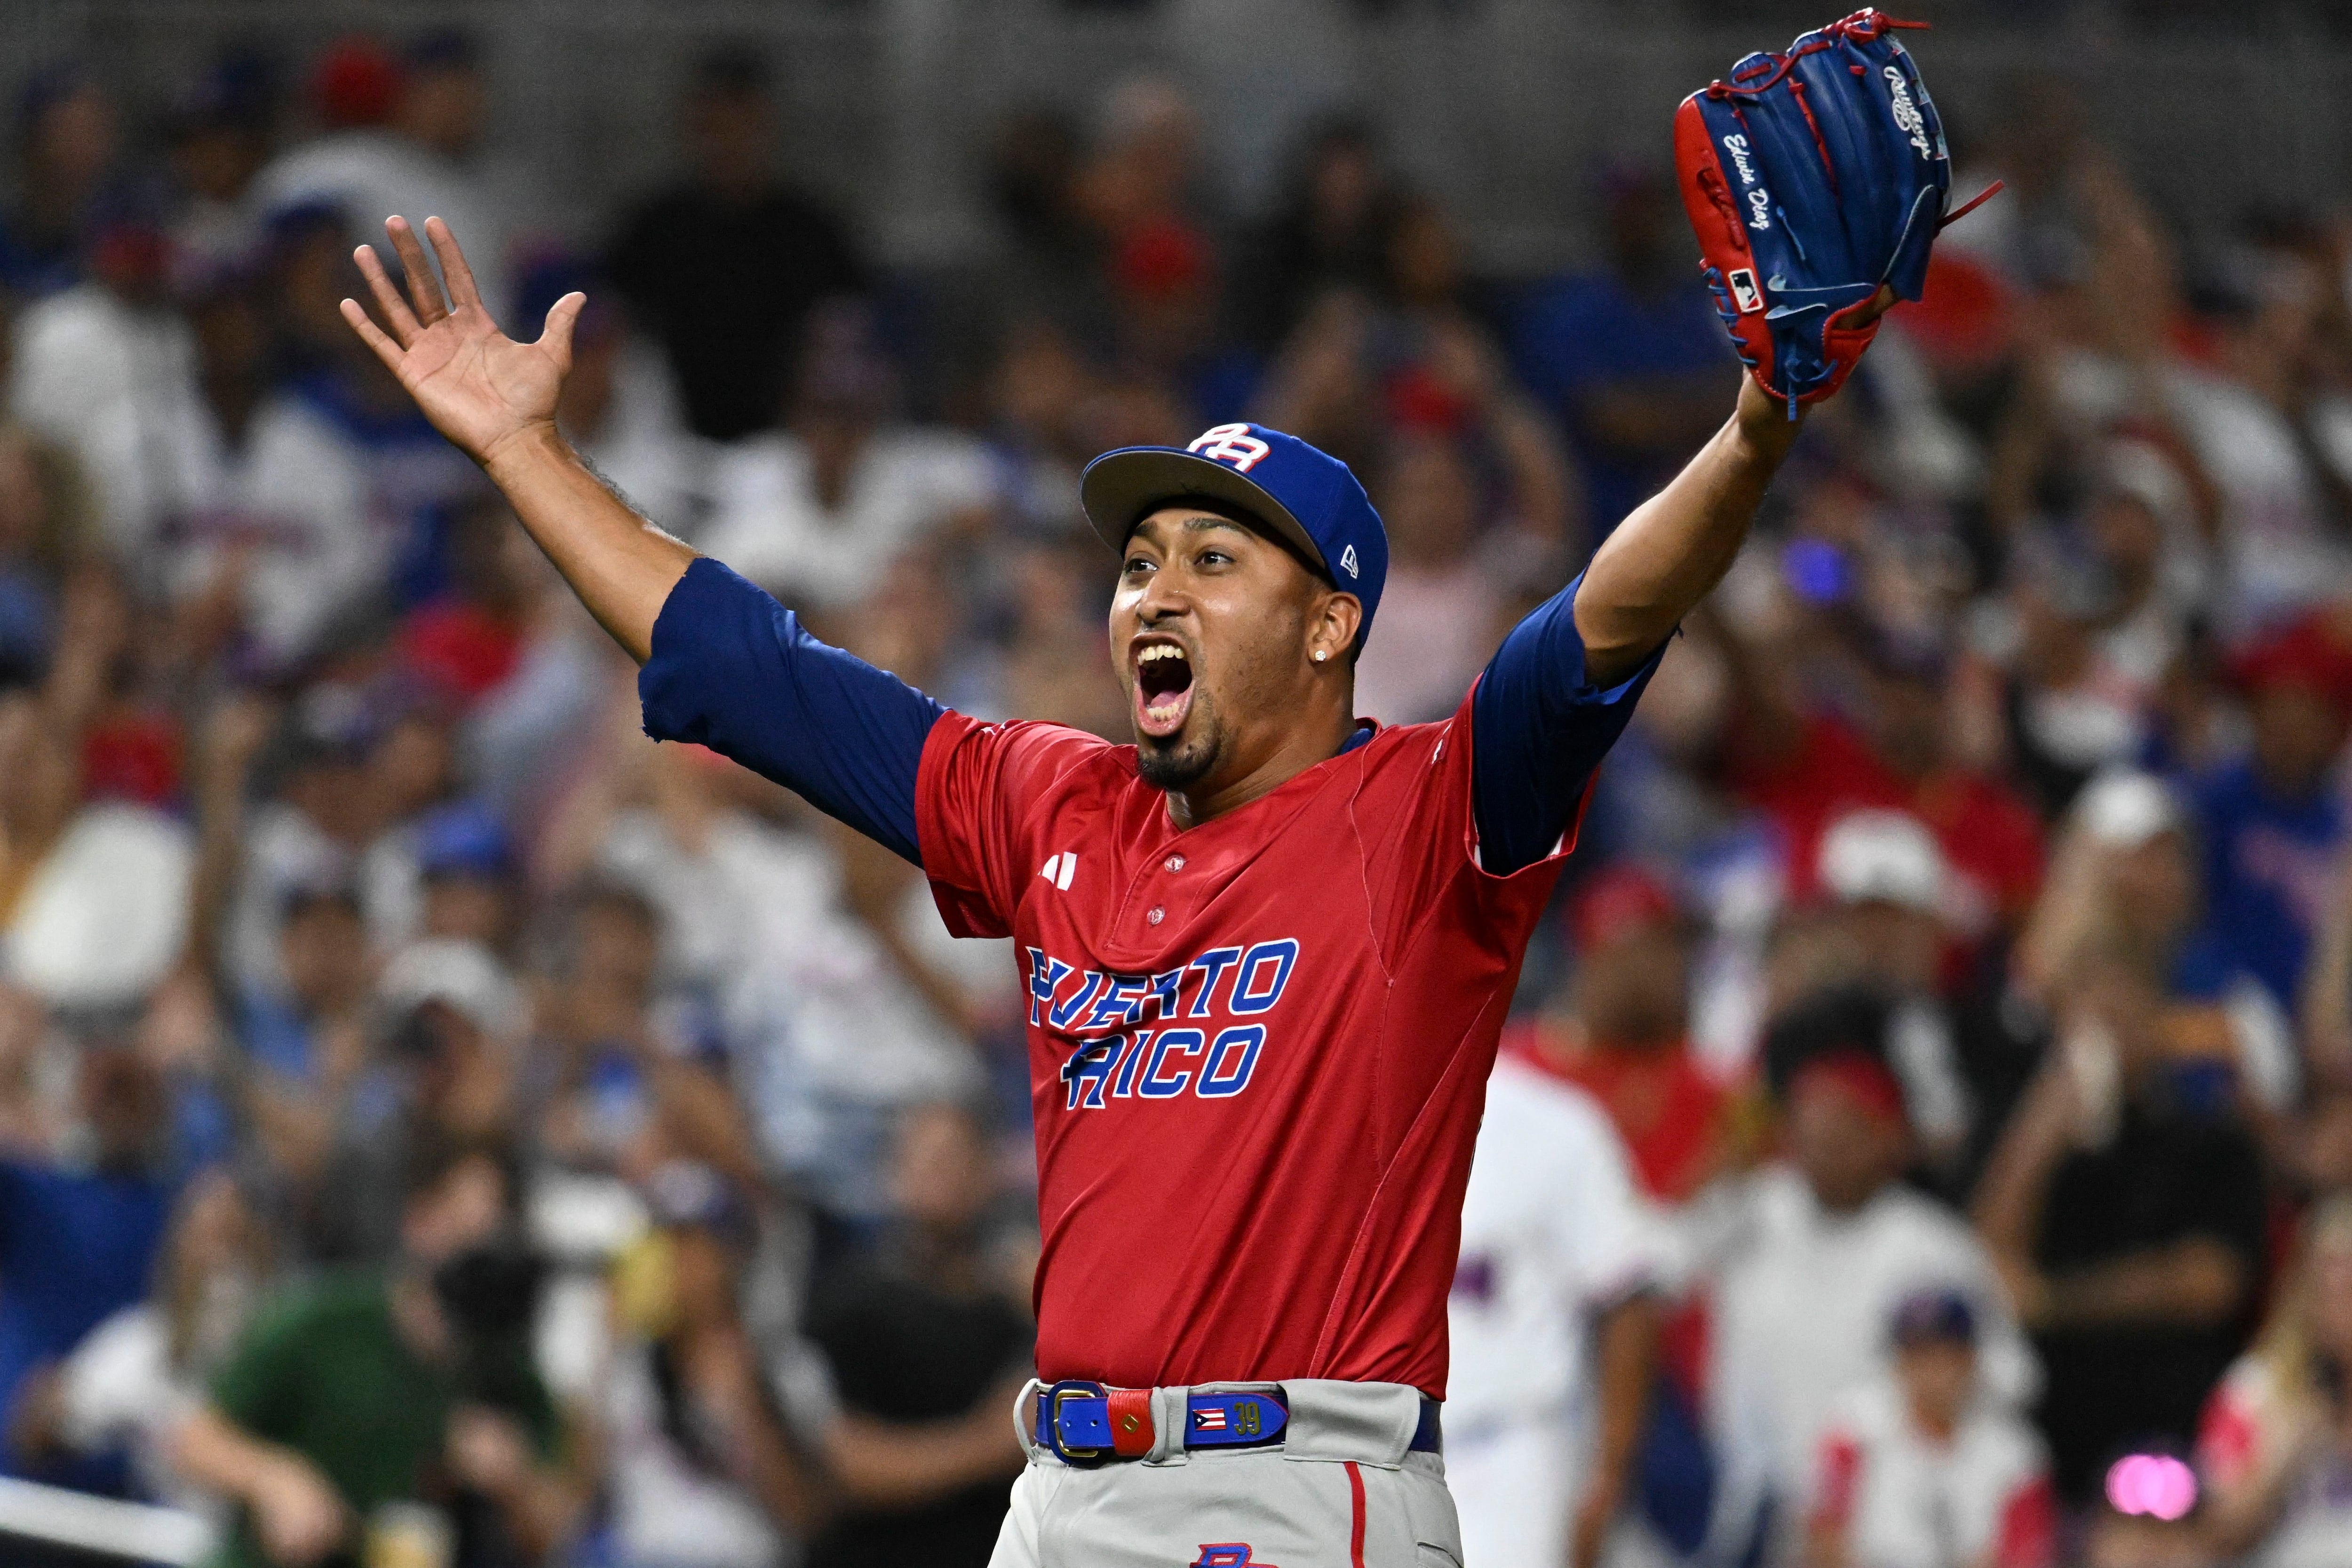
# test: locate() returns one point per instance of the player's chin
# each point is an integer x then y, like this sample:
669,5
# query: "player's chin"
1176,761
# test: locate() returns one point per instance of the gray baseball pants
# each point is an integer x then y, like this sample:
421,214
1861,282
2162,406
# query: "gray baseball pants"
1342,1489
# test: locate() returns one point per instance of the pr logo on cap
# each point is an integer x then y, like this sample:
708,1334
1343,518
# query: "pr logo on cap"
1231,444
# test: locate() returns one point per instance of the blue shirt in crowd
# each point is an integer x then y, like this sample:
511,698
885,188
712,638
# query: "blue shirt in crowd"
2270,868
75,1248
1585,332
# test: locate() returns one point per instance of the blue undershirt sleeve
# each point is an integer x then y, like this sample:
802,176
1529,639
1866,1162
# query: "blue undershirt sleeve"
1537,731
734,670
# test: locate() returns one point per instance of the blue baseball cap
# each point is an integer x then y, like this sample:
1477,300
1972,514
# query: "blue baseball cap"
463,840
1306,496
1934,1316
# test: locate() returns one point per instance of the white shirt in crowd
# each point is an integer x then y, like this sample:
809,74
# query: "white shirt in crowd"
371,174
121,1389
295,499
840,1040
768,525
644,445
1802,1301
667,1507
1552,1231
111,384
1908,1500
105,915
2278,554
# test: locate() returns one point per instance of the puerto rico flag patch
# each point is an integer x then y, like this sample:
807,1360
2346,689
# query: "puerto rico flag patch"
1210,1420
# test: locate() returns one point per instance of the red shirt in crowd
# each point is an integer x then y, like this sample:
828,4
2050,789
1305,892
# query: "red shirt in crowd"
1989,835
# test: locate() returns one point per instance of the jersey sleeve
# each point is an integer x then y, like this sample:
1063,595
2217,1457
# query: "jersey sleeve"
978,789
1538,731
734,670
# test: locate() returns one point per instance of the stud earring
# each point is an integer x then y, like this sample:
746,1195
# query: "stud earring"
1321,654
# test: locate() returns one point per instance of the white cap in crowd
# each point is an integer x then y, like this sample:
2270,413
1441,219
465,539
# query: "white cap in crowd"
1884,858
2124,808
462,975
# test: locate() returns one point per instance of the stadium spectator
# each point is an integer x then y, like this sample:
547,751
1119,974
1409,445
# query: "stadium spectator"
1552,1326
401,135
1329,231
66,140
376,1406
93,894
1823,1245
2124,891
106,366
815,511
927,1345
271,533
221,134
79,1239
1478,502
1893,743
46,528
1919,1468
703,1473
1629,357
2270,825
724,267
1621,1029
2275,1444
441,1066
132,1379
2125,1207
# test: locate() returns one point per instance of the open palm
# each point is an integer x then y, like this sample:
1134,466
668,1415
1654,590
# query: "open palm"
479,387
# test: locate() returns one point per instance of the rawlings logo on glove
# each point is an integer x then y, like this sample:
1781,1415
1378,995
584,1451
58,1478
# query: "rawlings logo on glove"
1812,177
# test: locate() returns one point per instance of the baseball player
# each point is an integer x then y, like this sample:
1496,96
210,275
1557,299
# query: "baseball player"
1552,1324
1267,948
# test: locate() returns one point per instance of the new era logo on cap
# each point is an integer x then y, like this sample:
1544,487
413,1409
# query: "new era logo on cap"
1347,561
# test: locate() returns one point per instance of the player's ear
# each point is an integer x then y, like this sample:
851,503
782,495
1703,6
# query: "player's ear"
1332,631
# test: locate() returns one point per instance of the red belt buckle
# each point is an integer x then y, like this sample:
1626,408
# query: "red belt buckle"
1131,1421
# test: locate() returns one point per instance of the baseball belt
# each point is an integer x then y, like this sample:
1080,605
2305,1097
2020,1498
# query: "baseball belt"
1087,1424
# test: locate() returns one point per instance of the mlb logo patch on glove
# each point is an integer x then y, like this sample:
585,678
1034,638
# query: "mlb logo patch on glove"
1811,178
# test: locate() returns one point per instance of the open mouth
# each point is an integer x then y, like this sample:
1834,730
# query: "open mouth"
1163,688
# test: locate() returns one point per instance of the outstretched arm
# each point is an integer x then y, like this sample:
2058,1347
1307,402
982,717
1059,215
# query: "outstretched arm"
495,400
1560,689
1673,549
726,667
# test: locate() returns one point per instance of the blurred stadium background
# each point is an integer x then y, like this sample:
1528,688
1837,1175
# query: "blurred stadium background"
1975,884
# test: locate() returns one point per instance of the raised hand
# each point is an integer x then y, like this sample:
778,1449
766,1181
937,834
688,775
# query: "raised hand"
479,387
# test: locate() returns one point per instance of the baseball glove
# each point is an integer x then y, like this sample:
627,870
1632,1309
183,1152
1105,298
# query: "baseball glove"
1811,178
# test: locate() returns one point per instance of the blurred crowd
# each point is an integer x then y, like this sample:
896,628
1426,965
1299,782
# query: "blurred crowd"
409,1070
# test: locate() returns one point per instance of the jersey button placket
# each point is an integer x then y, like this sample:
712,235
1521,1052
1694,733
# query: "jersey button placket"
1155,914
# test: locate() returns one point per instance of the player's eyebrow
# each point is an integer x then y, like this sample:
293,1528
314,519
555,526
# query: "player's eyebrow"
1195,522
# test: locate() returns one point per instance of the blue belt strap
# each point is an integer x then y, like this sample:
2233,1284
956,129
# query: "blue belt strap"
1074,1421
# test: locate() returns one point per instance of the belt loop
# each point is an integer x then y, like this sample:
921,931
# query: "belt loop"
1171,1419
1024,1418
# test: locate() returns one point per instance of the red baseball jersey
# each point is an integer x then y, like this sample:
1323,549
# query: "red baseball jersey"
1258,1048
